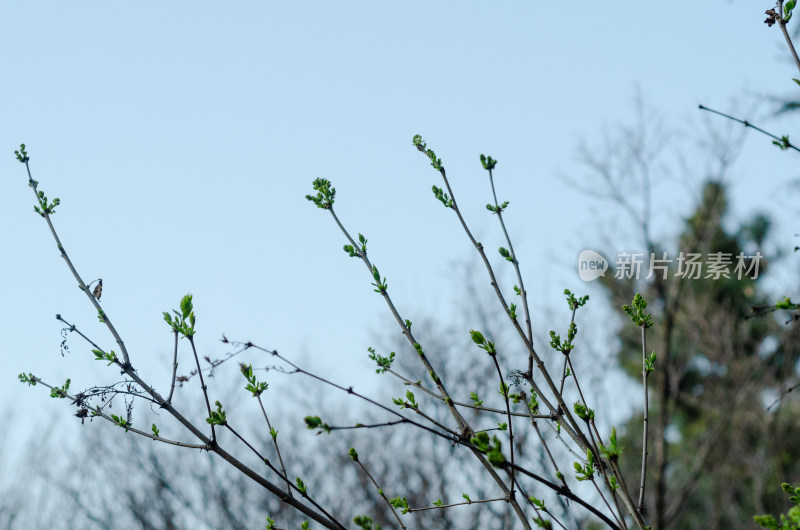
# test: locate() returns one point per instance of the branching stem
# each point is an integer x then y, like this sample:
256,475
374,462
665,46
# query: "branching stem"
645,373
782,24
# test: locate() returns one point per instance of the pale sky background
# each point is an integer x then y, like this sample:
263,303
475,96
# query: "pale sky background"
182,139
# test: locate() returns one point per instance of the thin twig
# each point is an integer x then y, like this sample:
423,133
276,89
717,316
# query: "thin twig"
380,490
602,467
35,187
565,492
782,24
174,367
619,521
515,262
645,373
431,420
471,406
349,390
202,384
465,503
532,416
275,470
274,442
508,415
566,358
783,395
782,141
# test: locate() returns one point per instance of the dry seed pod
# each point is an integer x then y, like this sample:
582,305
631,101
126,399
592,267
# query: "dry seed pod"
99,289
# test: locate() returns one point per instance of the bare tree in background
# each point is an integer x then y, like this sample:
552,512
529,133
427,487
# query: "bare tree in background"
161,490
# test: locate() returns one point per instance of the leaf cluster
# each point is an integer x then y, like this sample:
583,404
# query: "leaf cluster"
788,521
217,417
636,311
326,194
384,363
253,385
490,447
184,320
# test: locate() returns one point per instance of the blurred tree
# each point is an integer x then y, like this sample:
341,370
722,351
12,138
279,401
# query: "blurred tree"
718,370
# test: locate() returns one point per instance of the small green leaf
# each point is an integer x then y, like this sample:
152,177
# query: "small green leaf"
400,502
477,337
476,401
186,305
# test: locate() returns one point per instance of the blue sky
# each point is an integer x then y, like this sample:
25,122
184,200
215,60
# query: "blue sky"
182,139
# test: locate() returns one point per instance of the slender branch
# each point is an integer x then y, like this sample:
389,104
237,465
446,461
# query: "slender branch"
559,412
472,406
357,426
538,510
781,141
349,390
430,419
782,24
275,470
783,395
645,373
174,367
508,415
619,521
615,469
565,492
566,358
532,416
444,506
621,481
35,187
515,262
202,384
564,373
354,456
274,442
602,467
